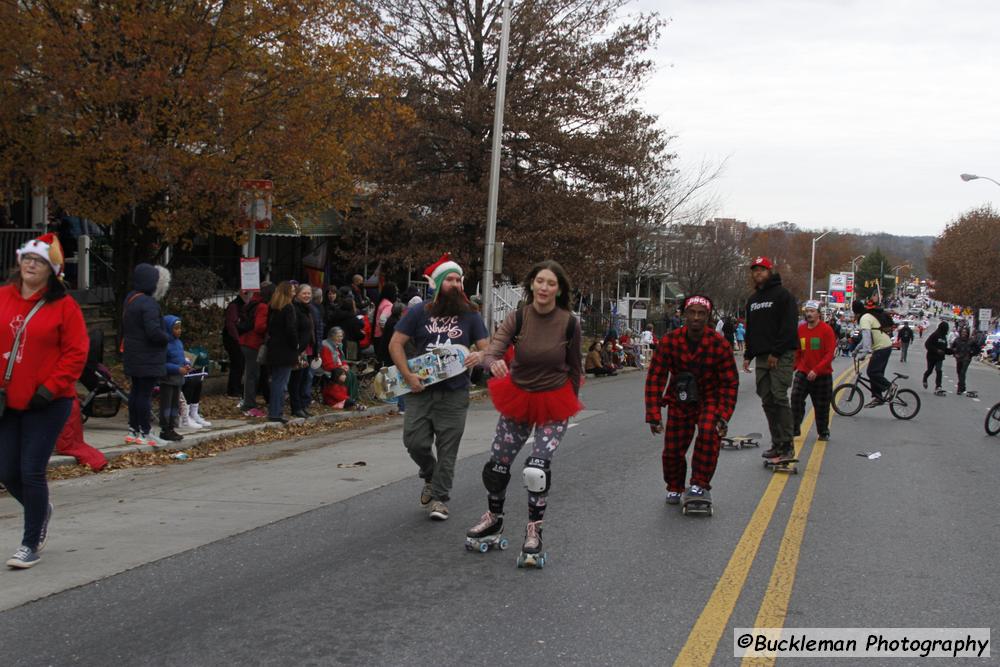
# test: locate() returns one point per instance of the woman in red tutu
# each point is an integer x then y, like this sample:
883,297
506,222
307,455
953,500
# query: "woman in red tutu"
538,392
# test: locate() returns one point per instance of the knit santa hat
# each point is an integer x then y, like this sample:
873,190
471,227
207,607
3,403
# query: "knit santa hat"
437,271
47,247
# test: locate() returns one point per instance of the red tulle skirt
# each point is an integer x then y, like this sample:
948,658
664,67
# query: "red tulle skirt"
533,407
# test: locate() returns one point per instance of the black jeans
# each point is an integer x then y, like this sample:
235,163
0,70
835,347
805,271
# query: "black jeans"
962,367
876,371
140,404
299,387
234,385
27,438
170,401
192,390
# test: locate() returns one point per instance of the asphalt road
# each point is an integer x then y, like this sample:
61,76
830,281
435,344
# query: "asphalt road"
276,555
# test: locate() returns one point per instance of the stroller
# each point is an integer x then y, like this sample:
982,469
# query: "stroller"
104,396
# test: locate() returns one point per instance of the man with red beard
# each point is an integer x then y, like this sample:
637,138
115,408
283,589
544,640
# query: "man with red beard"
435,415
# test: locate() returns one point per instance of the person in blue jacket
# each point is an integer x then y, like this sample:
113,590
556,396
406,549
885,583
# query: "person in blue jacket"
144,348
176,367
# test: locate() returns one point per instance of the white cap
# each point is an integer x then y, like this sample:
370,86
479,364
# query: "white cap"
811,304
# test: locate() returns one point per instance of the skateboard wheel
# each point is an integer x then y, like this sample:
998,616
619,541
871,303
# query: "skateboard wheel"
503,543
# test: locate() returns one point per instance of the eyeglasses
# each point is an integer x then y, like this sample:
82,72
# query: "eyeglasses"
33,259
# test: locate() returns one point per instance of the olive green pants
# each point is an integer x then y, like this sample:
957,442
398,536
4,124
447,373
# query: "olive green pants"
772,387
435,419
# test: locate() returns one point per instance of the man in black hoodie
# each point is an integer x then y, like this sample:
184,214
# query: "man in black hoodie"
772,338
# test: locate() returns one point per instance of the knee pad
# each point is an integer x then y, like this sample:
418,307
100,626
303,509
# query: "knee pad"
537,477
496,476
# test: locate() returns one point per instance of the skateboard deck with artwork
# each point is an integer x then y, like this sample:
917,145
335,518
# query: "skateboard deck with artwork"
439,364
741,441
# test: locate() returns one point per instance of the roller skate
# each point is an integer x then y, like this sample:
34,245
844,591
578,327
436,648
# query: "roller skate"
486,534
531,552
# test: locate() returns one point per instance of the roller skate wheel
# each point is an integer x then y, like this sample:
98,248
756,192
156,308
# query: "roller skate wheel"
520,560
684,509
503,543
484,547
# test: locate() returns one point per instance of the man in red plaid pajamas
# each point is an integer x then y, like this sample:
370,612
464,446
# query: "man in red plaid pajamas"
702,389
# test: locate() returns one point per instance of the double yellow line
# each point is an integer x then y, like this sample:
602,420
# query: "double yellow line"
707,631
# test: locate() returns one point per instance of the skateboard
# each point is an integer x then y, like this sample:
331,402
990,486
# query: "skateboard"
696,506
439,364
778,464
536,561
972,394
940,392
741,441
484,544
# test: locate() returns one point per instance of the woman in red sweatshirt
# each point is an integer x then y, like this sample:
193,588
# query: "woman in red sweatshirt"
38,378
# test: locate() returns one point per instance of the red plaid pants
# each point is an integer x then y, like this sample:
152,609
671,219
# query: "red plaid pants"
678,431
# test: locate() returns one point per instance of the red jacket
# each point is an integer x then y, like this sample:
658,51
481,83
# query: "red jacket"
711,363
255,337
816,349
53,349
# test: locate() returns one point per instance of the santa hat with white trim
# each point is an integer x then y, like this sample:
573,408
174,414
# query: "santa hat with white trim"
47,247
437,271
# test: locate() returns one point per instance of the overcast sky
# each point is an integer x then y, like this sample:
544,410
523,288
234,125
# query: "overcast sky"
835,113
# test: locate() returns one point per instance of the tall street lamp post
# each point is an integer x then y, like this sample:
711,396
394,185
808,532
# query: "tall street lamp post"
491,213
973,177
812,263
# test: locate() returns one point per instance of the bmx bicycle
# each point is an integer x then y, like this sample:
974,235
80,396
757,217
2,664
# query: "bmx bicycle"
993,420
849,397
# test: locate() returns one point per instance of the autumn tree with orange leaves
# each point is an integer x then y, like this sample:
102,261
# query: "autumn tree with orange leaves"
146,116
965,260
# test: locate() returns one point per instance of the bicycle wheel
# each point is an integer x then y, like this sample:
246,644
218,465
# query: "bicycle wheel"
905,404
848,400
993,420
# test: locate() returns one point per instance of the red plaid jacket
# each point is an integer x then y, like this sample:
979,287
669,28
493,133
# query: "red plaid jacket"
711,363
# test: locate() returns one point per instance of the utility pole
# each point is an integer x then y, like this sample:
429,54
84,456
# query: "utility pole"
491,212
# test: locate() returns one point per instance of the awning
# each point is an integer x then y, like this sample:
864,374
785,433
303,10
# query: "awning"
326,224
674,291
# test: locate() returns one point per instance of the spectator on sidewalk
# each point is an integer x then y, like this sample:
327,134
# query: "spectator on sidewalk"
300,380
254,323
38,373
144,352
231,343
282,351
346,318
594,363
170,384
388,298
332,356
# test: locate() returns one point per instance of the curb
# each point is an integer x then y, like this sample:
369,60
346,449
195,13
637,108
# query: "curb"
196,438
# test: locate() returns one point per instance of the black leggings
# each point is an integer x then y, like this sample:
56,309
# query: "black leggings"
192,390
934,364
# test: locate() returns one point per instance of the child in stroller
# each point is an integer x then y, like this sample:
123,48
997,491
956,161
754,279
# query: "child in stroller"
104,396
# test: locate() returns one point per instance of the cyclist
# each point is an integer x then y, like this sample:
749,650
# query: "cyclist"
876,343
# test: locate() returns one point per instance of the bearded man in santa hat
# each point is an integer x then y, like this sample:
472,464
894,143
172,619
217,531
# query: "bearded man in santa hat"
435,415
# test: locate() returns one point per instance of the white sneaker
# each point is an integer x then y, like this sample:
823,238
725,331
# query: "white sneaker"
195,416
187,422
201,421
150,440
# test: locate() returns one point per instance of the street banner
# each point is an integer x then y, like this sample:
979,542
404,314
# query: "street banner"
838,282
250,273
839,298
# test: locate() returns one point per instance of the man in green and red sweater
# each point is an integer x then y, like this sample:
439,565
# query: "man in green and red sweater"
814,370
